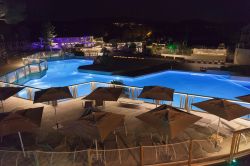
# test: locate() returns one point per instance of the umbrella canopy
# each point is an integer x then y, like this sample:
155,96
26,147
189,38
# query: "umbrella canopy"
14,123
52,94
157,93
6,92
223,108
34,114
95,125
245,98
105,94
27,120
168,119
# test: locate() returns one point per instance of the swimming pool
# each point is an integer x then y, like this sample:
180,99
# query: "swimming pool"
64,73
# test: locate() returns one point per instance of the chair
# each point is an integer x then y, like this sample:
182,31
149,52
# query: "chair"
88,104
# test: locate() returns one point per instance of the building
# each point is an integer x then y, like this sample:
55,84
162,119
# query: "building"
70,42
207,56
210,52
86,41
242,53
245,38
124,46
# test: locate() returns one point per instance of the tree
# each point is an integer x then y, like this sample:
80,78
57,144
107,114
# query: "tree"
105,51
132,47
48,34
12,11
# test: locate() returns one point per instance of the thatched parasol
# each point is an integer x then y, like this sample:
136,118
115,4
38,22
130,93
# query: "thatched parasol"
96,125
245,98
223,109
52,94
104,94
6,92
157,93
168,120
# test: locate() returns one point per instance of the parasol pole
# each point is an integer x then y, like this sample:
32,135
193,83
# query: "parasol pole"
217,132
2,105
125,128
54,105
218,127
167,139
56,117
21,141
96,149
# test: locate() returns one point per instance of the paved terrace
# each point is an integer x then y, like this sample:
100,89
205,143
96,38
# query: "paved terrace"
48,139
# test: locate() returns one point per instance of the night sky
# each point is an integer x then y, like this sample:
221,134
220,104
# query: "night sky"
158,10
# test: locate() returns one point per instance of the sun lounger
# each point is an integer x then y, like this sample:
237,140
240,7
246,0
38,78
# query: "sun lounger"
223,131
130,101
234,127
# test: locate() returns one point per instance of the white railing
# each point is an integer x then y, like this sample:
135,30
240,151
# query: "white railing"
37,67
180,100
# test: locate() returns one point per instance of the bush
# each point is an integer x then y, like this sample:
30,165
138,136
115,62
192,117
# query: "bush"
125,91
117,82
103,60
78,53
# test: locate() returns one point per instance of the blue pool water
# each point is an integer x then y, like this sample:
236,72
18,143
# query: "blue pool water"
64,72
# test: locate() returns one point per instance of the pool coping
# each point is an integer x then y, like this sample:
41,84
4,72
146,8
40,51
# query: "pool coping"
119,77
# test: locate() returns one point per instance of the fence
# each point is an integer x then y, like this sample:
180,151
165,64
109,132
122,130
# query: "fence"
182,153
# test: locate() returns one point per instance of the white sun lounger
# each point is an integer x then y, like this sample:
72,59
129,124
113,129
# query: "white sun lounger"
235,127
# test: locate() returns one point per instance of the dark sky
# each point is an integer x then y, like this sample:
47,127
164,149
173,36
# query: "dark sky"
160,10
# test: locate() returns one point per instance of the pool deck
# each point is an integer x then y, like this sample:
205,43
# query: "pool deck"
71,110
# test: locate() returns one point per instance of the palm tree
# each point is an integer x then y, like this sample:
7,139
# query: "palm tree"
48,34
